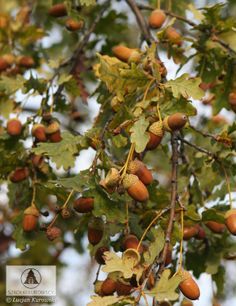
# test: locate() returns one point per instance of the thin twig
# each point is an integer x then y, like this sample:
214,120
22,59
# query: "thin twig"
174,162
140,20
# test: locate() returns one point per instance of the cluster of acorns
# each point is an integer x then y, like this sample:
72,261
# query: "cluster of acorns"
60,10
130,242
155,21
50,131
9,63
198,232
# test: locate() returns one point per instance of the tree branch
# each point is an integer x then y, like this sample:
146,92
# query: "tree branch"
140,20
174,174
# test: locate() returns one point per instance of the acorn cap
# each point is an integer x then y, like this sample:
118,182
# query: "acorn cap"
31,210
52,127
135,165
184,275
112,177
131,255
129,180
135,56
157,128
36,126
230,212
166,125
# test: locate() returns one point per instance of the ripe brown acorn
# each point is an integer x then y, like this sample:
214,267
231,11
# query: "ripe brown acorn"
3,22
173,36
83,205
122,288
53,233
138,168
39,132
19,174
156,19
126,54
108,286
30,219
232,100
55,137
73,25
230,221
26,62
100,253
58,10
190,232
135,188
175,122
156,133
9,58
3,64
14,127
130,242
189,287
37,160
201,235
95,231
215,226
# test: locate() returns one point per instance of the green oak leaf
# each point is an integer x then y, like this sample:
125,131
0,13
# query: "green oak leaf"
110,300
88,2
165,289
155,247
186,87
11,85
139,136
61,153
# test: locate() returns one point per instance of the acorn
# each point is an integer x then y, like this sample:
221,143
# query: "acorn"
14,127
3,64
156,133
39,132
108,286
37,160
232,100
189,287
135,188
53,233
73,25
97,288
55,137
58,10
190,232
123,288
9,58
230,221
201,235
83,204
99,255
126,54
30,219
205,86
173,36
95,231
138,168
130,242
215,227
175,122
26,62
3,22
19,174
156,19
